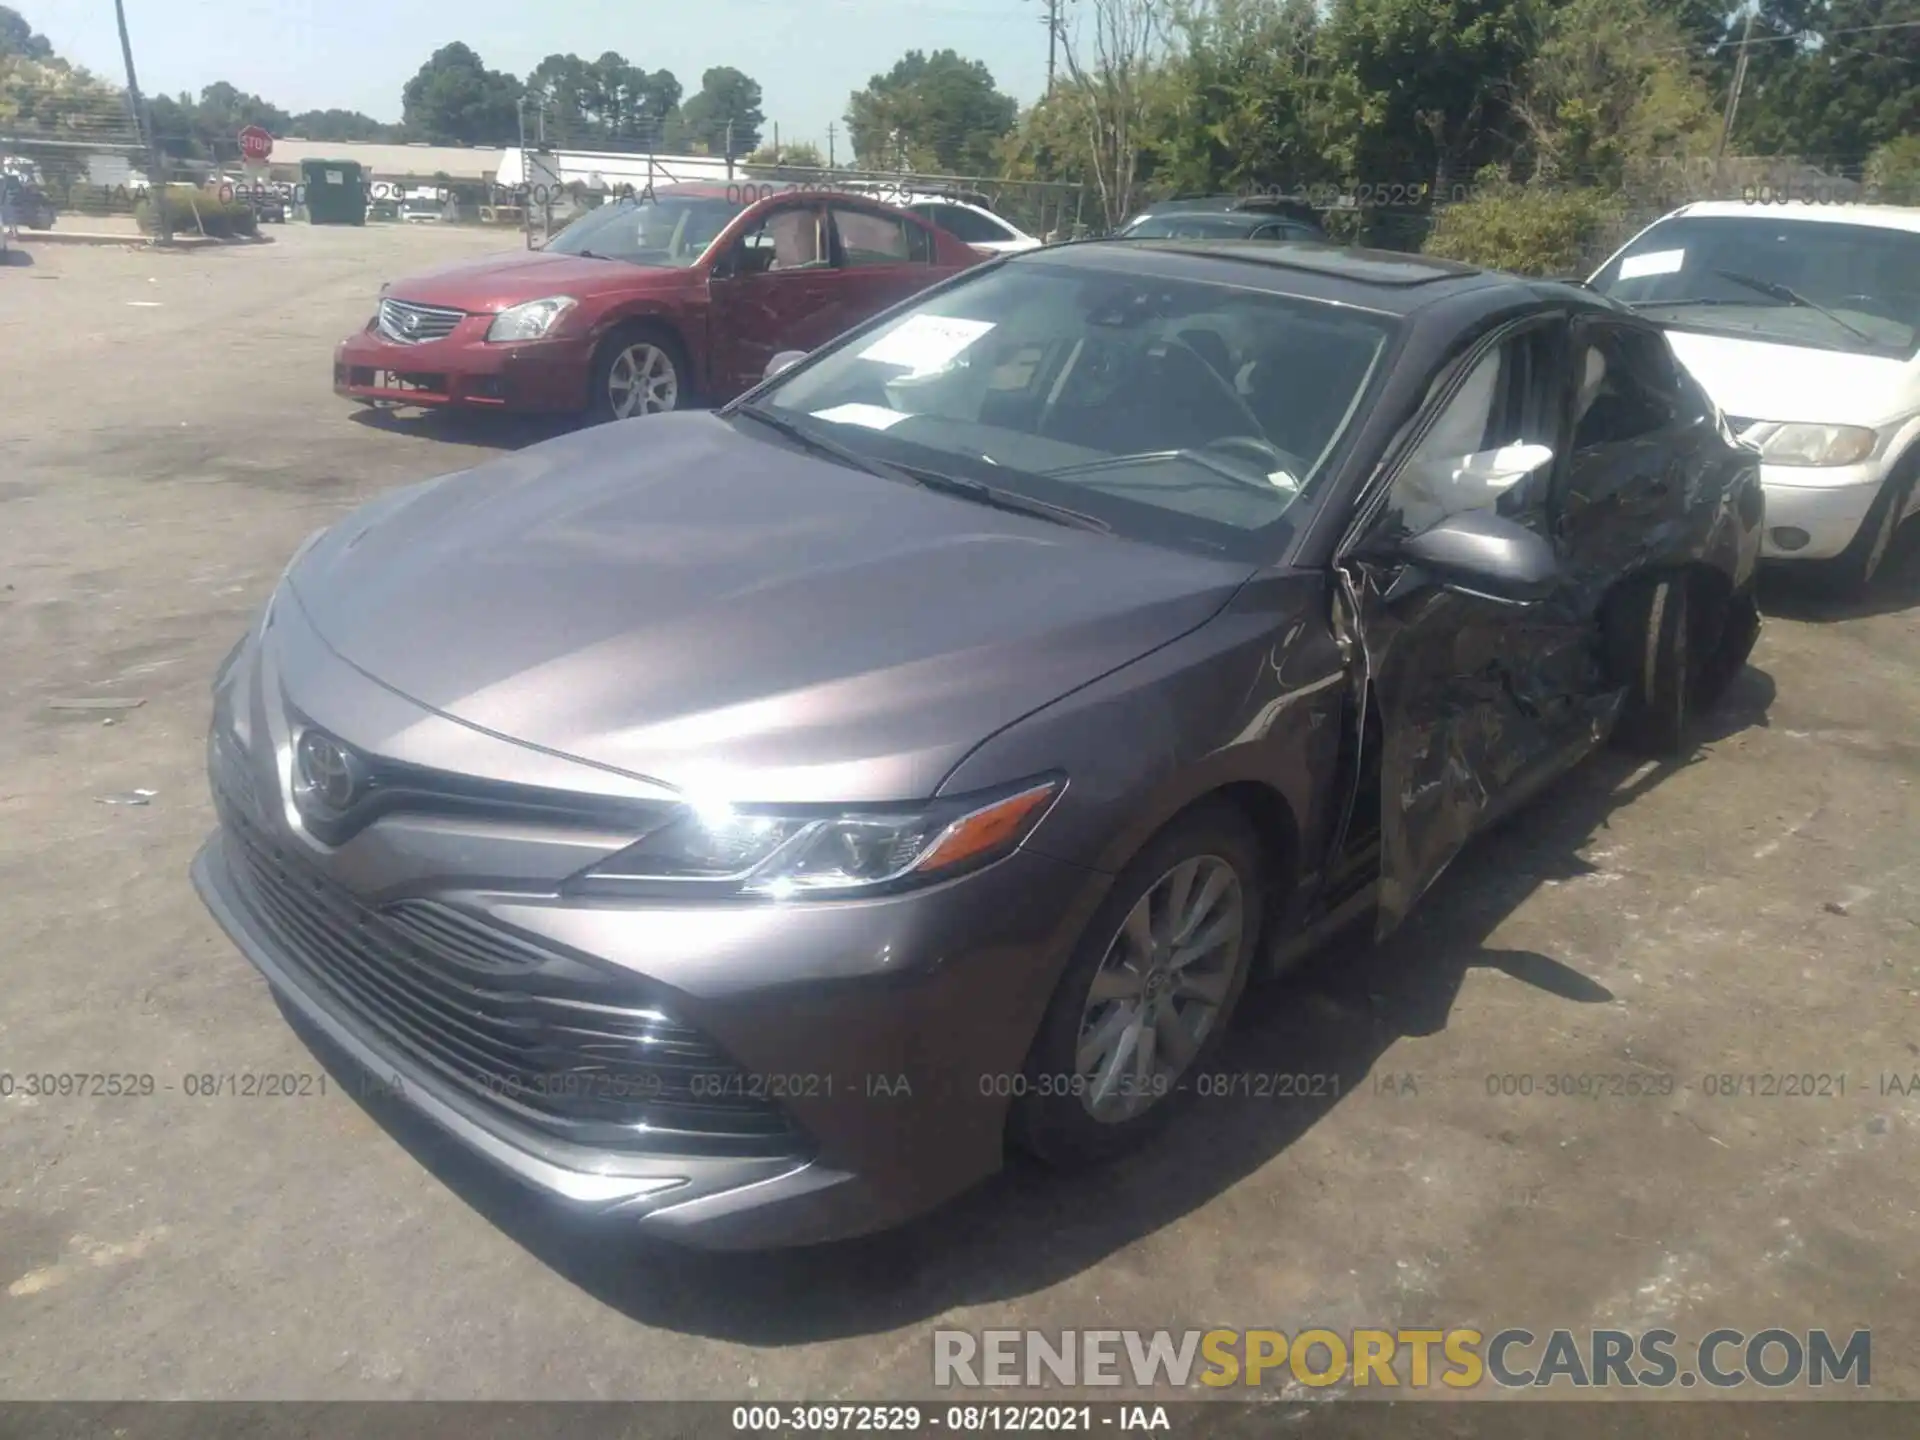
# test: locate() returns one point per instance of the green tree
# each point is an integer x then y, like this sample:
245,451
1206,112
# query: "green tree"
604,104
1427,84
1241,110
1611,88
17,37
455,99
934,112
1858,89
345,125
726,97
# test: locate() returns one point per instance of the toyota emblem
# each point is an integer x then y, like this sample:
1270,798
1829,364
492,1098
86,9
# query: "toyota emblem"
327,773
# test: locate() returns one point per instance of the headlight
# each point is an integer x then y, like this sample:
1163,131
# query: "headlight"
1813,445
742,850
530,321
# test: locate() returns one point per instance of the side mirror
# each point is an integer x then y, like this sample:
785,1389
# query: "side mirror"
1483,553
785,360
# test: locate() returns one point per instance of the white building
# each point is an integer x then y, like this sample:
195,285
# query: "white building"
603,170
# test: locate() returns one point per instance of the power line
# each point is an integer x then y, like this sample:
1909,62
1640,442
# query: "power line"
1797,37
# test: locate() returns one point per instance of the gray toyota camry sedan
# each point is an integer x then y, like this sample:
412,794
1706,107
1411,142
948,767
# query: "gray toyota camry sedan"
749,825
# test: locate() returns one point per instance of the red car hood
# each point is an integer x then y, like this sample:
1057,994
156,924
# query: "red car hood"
498,281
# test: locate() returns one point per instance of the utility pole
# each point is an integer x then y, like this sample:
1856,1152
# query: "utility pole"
157,182
1739,83
832,161
1053,39
526,175
1052,22
729,149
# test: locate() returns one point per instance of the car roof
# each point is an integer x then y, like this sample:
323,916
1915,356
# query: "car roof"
1884,217
1380,280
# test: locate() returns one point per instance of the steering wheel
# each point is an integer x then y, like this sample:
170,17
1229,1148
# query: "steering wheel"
1265,453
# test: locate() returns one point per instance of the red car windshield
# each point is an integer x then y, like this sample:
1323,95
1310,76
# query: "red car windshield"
670,230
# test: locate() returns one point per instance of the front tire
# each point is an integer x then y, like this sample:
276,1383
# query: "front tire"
1148,994
1650,633
1851,573
639,370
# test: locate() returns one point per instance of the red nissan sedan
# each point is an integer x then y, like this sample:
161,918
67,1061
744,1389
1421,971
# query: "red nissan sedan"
646,305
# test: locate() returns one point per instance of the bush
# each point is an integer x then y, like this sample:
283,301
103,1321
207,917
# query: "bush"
1525,229
1893,172
192,211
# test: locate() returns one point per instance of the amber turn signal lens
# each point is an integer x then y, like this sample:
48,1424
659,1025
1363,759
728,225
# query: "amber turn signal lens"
998,826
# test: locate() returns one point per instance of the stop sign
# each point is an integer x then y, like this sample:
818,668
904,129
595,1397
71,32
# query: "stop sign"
255,144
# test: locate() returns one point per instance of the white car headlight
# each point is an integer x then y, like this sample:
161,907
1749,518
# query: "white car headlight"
1810,445
720,849
531,321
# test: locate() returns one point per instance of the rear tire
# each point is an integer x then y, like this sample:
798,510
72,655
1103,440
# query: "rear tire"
1215,849
639,370
1851,573
1650,634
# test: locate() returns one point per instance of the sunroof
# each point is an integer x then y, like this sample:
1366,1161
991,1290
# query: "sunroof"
1376,267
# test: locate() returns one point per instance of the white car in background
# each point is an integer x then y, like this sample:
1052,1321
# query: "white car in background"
967,219
1803,323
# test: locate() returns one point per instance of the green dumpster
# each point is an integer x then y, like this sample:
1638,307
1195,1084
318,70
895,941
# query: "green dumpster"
336,192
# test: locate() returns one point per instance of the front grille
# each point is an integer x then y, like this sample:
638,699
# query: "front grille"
553,1043
412,324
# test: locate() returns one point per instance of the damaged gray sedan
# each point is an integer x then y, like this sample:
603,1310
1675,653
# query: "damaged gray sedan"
745,826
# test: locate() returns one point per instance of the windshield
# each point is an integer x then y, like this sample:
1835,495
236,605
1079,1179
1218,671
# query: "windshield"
671,230
1177,411
1729,275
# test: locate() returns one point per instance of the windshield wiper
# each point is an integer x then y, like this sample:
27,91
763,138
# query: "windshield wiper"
1692,300
984,494
975,490
1156,457
1790,296
811,439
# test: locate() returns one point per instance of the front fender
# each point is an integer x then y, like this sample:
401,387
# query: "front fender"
1250,701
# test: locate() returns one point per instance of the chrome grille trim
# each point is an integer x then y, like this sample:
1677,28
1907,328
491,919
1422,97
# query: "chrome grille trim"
410,324
540,1039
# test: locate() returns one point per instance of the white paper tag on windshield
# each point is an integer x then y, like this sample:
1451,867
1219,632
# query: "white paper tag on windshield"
925,343
1654,262
868,417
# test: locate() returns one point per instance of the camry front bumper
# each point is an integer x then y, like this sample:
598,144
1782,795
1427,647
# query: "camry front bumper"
855,1055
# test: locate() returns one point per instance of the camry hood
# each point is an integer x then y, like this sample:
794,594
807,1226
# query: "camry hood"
1761,380
492,284
680,600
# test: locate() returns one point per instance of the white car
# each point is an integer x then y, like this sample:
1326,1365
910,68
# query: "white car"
1803,323
975,224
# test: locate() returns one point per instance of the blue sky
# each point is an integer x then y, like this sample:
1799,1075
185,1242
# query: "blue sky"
356,54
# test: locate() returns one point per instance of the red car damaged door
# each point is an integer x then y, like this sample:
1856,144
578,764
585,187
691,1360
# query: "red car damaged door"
773,289
887,256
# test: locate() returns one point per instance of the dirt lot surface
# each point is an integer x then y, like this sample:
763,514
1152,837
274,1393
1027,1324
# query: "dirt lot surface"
167,437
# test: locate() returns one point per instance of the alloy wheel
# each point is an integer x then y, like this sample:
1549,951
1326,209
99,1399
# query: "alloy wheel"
642,381
1159,989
